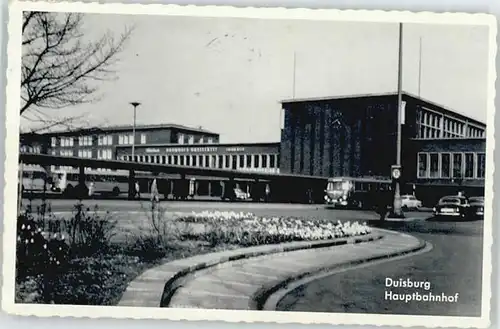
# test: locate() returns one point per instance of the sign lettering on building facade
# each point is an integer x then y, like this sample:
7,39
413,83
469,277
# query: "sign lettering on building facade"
192,149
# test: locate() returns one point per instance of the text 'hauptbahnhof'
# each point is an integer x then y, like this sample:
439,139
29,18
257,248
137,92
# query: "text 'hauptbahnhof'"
348,141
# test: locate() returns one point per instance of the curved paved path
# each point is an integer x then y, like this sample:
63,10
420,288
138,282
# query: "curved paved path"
236,284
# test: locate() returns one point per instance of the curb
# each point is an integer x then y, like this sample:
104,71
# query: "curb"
173,283
259,299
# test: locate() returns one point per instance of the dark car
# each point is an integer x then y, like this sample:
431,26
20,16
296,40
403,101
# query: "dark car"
452,206
477,206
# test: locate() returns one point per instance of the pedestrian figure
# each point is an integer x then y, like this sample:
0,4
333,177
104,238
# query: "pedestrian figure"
154,191
91,189
268,192
137,191
384,202
191,188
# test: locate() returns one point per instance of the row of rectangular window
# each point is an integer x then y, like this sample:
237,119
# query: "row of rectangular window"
433,125
87,169
181,139
30,149
211,161
106,154
451,165
101,140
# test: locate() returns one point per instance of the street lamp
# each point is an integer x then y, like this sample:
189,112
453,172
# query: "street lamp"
134,104
396,170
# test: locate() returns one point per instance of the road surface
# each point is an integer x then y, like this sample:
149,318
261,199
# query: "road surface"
259,209
454,265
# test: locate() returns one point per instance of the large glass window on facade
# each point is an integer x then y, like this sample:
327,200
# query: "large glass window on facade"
469,165
256,162
445,165
457,165
234,162
481,165
434,165
264,160
272,161
221,162
422,165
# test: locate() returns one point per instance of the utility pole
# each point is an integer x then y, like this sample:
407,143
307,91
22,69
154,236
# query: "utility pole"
420,67
294,73
396,169
134,104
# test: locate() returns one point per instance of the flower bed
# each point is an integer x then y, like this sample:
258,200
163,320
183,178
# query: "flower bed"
246,229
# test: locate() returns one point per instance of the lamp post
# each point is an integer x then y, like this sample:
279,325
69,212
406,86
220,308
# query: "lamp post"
396,170
134,104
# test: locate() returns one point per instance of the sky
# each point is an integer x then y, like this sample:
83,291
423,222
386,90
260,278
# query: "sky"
228,75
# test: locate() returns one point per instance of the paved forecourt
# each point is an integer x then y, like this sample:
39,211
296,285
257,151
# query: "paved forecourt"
244,284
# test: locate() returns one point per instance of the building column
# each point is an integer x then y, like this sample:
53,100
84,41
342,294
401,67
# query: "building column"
131,184
441,127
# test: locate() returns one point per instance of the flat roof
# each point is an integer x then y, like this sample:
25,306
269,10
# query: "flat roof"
406,95
139,127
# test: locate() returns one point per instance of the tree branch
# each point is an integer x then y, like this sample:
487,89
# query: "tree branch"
59,68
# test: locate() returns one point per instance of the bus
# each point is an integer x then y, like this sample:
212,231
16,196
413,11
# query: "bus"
103,182
35,178
351,192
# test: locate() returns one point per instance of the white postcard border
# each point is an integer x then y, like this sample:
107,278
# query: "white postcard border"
12,154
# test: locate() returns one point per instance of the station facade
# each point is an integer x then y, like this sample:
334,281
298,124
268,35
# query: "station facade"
356,137
322,137
162,144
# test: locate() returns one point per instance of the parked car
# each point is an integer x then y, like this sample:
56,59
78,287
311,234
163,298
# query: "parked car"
235,194
452,206
240,195
477,206
410,202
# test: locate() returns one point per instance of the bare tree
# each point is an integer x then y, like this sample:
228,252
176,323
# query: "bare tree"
59,66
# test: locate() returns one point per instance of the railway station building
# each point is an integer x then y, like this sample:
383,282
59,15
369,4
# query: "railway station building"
356,136
162,144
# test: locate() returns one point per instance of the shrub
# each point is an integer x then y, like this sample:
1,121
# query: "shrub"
161,236
36,251
88,232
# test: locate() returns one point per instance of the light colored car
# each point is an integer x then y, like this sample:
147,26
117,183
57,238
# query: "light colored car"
240,195
409,201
